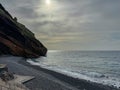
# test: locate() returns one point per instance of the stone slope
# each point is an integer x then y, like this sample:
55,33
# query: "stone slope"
16,39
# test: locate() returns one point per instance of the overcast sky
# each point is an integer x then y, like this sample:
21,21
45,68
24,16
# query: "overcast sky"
70,24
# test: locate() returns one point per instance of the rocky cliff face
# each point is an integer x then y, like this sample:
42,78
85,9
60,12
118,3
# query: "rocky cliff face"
16,39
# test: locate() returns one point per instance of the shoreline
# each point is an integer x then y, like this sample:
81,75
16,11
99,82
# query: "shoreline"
48,80
80,84
42,81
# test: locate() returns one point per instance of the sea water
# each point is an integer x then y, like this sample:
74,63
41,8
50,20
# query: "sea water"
96,66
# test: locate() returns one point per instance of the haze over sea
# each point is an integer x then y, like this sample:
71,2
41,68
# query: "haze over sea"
96,66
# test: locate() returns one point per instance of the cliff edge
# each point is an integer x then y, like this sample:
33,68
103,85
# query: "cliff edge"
16,39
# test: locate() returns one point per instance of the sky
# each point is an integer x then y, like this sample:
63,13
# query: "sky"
70,24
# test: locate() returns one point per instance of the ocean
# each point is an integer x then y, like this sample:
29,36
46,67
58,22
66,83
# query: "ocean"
95,66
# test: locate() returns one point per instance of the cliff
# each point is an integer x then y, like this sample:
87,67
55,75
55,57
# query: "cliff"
16,39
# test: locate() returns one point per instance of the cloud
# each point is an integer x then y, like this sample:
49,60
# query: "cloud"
71,24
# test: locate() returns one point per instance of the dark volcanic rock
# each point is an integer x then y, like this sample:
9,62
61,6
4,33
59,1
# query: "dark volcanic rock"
16,39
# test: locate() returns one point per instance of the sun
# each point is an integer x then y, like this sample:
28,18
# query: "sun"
48,2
